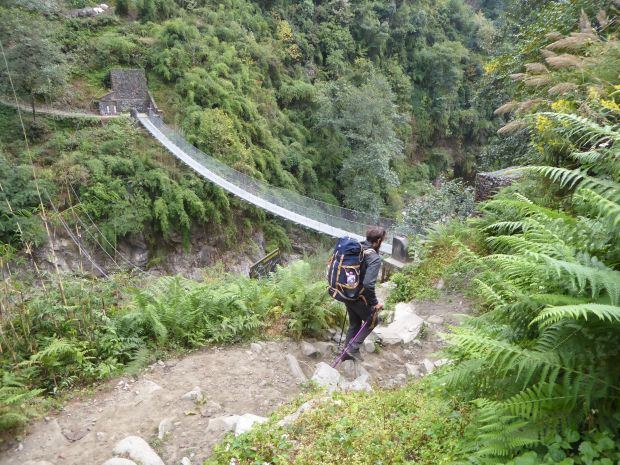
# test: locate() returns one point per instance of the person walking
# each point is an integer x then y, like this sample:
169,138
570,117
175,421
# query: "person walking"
366,307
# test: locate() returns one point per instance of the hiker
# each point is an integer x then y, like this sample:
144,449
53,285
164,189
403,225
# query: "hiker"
366,306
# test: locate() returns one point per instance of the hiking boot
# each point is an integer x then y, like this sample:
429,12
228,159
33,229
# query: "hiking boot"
355,356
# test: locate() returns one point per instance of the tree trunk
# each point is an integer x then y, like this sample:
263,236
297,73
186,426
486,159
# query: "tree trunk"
34,116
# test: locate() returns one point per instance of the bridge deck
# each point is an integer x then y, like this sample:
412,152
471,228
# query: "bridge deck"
242,193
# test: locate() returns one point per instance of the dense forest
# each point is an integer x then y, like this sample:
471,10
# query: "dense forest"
390,108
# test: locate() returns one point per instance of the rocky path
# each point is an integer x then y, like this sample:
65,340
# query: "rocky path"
182,407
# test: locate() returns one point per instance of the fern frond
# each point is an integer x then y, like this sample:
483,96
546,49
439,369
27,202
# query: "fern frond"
606,209
552,315
598,279
583,131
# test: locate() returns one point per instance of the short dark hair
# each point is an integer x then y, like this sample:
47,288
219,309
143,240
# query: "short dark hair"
375,233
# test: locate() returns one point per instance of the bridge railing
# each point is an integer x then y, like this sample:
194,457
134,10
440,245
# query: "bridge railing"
348,220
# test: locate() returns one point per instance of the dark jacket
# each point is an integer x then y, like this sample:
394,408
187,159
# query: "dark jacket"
370,269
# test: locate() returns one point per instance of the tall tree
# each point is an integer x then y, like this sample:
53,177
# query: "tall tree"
37,67
365,116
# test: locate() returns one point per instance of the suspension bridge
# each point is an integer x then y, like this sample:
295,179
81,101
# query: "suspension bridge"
319,216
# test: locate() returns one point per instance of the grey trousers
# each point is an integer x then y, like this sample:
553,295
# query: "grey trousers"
358,313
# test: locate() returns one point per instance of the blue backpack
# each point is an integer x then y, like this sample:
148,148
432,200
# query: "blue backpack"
344,273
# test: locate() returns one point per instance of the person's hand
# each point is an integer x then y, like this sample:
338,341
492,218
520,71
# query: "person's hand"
378,308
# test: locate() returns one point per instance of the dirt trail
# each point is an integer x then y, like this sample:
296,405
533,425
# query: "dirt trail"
240,379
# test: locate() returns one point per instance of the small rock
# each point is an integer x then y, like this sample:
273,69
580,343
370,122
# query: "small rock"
369,346
441,362
287,420
222,424
296,370
256,347
359,384
325,348
37,462
119,461
401,377
161,363
138,450
396,357
47,418
165,426
412,370
338,336
210,409
326,376
186,461
428,365
440,284
435,319
195,395
348,367
309,350
246,422
101,436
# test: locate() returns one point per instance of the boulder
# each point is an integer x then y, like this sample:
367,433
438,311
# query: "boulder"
296,370
326,376
309,350
138,450
246,422
222,424
405,327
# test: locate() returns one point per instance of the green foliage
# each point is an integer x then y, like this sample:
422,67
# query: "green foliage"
400,426
542,360
16,401
366,116
49,344
451,200
418,281
38,68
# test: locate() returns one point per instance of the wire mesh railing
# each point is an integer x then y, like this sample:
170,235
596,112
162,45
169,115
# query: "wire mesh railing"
318,215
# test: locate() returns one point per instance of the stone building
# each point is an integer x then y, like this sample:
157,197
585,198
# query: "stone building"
129,91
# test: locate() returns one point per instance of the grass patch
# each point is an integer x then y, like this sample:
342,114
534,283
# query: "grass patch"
405,426
419,281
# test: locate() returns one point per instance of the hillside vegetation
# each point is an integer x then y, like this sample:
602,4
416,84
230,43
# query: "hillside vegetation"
361,104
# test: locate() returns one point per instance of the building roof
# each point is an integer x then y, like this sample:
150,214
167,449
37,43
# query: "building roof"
129,84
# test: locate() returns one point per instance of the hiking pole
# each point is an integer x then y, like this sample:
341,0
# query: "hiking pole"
339,358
